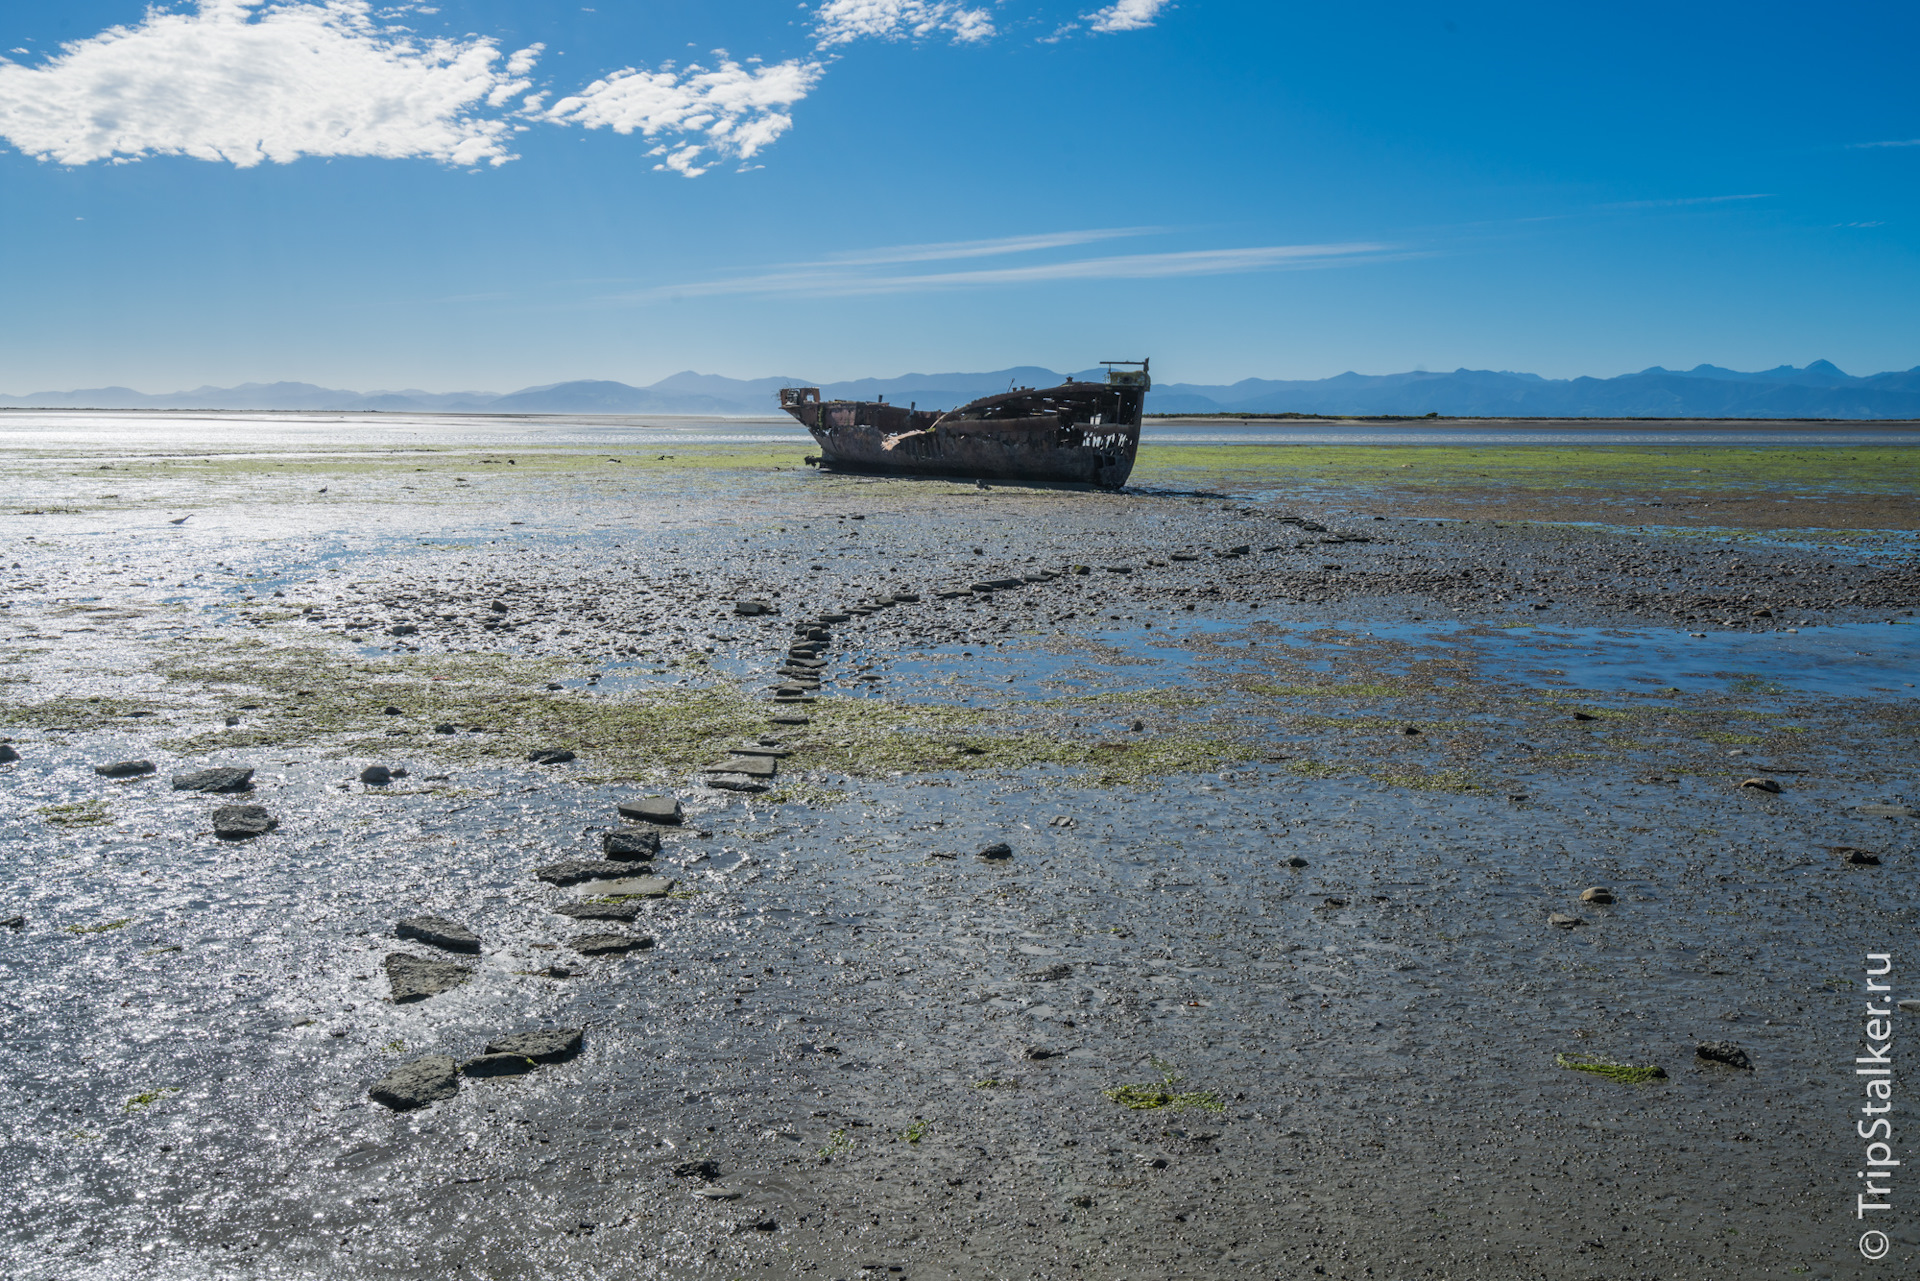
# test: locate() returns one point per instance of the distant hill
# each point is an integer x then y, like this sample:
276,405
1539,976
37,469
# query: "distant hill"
1818,390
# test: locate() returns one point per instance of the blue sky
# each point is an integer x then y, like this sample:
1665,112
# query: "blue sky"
499,193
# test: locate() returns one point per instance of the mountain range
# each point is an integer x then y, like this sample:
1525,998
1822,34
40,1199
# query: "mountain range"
1817,390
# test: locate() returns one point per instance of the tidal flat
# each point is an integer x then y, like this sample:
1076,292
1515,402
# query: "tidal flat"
1209,898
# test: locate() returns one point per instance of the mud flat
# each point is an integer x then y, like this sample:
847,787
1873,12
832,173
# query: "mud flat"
1242,874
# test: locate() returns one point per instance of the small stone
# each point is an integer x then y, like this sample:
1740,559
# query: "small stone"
1761,784
599,911
653,809
547,1045
1061,820
1598,894
445,727
1410,729
1296,861
241,822
751,608
630,845
575,870
498,1065
1857,857
7,755
696,1170
1888,811
1136,727
1585,716
1049,974
998,850
1563,921
13,922
124,769
791,718
419,1083
1041,1053
221,778
391,710
438,931
717,1194
551,756
1911,1007
414,978
609,944
403,629
1725,1052
376,776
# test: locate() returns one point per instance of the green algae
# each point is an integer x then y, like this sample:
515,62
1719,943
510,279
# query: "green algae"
1164,1094
77,814
106,927
146,1098
1624,1073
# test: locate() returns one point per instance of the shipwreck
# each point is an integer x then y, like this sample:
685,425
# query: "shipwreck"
1077,433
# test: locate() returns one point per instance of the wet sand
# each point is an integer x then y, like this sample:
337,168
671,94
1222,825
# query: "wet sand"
1235,878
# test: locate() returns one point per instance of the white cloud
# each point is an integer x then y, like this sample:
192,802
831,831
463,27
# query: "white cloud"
1127,15
694,114
1898,142
835,281
839,22
951,249
246,81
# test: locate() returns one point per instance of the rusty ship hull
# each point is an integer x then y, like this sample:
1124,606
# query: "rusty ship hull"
1083,433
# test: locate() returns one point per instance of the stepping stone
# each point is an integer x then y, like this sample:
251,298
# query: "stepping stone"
736,783
998,584
751,766
628,886
752,608
762,749
417,1084
438,931
609,944
547,1045
124,769
575,870
498,1065
791,718
554,756
653,809
242,822
794,698
630,845
599,911
414,978
221,778
907,598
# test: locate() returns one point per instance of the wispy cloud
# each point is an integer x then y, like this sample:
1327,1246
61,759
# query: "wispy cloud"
1899,142
839,22
952,249
245,82
838,281
1126,15
695,114
1685,200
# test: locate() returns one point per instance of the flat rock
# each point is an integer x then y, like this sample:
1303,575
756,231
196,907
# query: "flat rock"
15,922
547,1045
1857,857
575,870
752,608
414,978
438,931
628,887
1911,1007
241,822
696,1170
551,756
998,850
1888,811
417,1084
751,766
736,783
609,944
652,809
7,755
630,845
599,911
1598,894
376,775
1760,784
124,769
498,1065
221,778
1725,1052
1563,921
